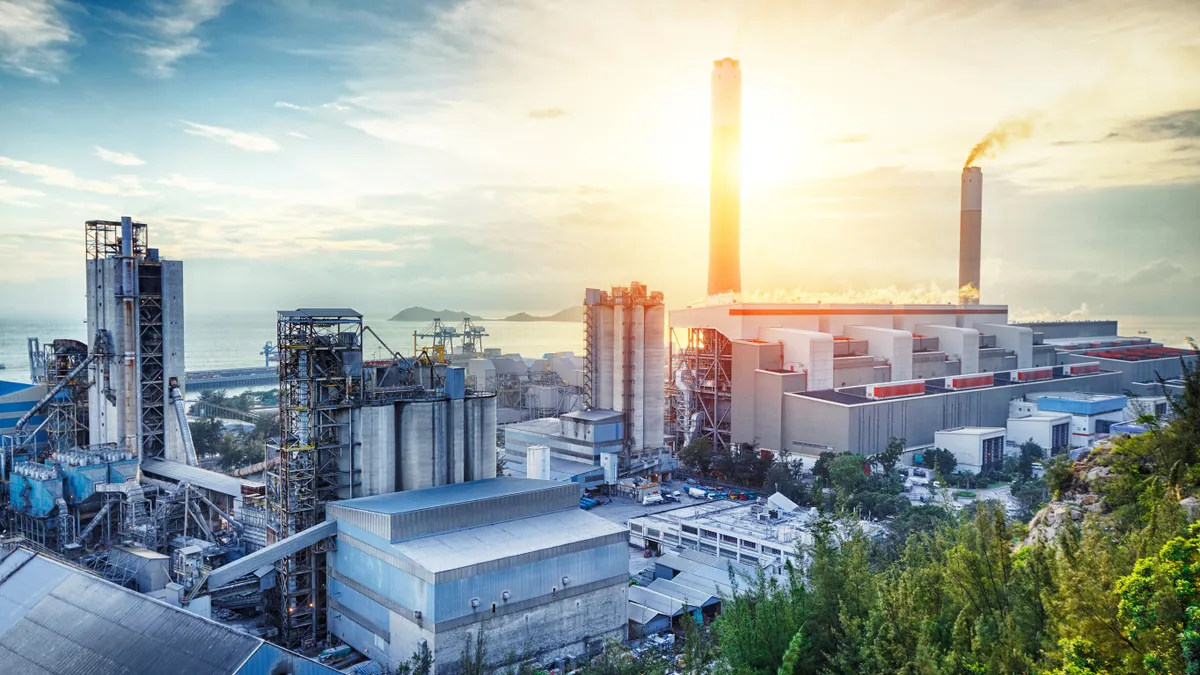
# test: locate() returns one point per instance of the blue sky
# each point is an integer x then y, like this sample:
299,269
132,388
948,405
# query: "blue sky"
504,155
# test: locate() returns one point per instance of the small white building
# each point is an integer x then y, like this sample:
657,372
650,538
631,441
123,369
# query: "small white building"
1091,414
977,449
1051,431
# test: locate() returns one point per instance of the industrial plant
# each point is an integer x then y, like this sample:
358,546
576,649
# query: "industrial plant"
411,504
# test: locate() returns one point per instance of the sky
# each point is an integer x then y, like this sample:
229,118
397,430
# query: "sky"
502,156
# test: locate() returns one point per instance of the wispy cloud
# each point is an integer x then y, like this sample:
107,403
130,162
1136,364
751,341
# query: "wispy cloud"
238,139
297,134
334,105
547,113
118,158
11,194
291,106
33,34
205,186
1181,124
170,33
58,177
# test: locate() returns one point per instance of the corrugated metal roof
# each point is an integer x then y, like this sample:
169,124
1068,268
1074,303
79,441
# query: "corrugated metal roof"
418,513
660,603
685,594
320,312
642,614
721,589
462,548
203,478
57,620
456,494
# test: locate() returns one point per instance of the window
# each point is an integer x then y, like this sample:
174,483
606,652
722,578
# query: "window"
688,529
746,543
1103,426
770,551
749,559
688,542
651,532
671,537
634,527
708,534
1160,409
729,539
708,548
726,553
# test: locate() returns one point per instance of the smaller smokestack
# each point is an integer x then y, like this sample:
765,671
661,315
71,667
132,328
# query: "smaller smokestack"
969,235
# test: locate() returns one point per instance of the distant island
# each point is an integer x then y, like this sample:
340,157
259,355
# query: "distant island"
568,315
426,314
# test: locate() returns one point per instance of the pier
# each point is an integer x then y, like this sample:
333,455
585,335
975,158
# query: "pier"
229,378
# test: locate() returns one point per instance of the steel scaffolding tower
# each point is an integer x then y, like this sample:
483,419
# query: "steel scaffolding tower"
152,377
320,382
700,387
66,413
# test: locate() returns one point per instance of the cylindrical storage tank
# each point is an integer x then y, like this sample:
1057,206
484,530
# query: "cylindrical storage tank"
455,439
417,445
618,369
655,377
488,438
604,395
637,353
377,452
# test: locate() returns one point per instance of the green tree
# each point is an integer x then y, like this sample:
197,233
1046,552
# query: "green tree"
757,623
698,455
1030,452
787,478
890,455
1160,605
474,656
942,461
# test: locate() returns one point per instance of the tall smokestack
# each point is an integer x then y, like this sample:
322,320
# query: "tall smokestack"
725,203
969,232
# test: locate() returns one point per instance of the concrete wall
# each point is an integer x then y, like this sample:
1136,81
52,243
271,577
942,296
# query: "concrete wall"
805,351
865,428
769,388
1052,330
656,375
173,355
889,343
961,344
1135,371
747,358
853,371
1017,339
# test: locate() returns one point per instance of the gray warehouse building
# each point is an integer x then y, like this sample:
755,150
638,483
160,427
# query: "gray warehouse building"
515,559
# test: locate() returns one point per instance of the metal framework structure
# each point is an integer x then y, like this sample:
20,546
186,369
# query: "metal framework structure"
700,387
66,413
320,381
472,338
151,374
141,292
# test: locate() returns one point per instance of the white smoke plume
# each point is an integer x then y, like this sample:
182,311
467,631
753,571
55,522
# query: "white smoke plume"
1081,313
919,295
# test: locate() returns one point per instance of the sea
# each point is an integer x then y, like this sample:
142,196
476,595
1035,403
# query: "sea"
235,340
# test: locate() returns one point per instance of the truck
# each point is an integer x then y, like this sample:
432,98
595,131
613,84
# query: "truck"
697,493
651,499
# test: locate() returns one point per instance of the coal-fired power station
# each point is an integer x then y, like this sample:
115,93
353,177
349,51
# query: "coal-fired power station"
725,203
969,232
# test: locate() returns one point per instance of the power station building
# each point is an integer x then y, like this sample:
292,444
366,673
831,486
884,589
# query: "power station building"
806,379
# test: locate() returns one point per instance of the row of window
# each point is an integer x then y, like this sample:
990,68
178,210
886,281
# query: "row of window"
704,534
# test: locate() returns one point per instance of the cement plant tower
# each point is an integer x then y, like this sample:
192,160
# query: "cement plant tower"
725,203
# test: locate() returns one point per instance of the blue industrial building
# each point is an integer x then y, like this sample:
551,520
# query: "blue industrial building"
16,399
514,558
